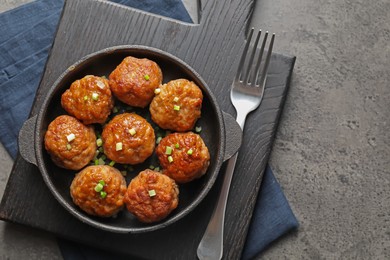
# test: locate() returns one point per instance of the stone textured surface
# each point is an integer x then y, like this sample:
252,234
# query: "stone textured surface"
331,155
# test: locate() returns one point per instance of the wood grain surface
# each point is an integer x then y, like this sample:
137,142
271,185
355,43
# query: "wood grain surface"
213,48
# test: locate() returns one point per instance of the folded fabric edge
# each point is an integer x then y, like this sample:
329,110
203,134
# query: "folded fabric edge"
16,20
288,232
18,67
272,217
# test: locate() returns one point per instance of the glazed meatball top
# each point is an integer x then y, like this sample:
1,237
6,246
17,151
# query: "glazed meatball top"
183,156
128,138
89,99
177,106
134,80
99,190
151,196
70,143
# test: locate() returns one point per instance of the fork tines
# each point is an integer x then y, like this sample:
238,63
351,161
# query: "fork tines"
251,74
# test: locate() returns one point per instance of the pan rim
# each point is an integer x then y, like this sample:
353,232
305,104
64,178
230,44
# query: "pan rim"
39,137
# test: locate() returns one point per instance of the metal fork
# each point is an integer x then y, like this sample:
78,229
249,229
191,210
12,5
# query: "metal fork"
246,95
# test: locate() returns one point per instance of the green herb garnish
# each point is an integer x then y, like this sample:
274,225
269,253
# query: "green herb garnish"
168,150
152,193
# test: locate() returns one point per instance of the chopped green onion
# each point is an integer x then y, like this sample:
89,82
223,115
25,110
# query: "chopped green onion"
132,131
101,161
176,107
151,167
152,193
96,155
170,159
158,140
103,157
146,77
112,163
103,194
190,151
96,162
102,182
99,187
101,149
115,109
70,137
175,99
118,146
68,146
95,96
100,84
157,91
177,145
198,129
124,173
168,150
85,98
99,142
157,169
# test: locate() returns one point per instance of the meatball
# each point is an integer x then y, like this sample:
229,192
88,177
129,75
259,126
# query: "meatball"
88,99
71,144
151,196
99,190
128,138
183,156
134,80
177,106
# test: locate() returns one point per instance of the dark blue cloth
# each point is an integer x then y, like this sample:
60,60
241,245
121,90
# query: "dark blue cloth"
26,34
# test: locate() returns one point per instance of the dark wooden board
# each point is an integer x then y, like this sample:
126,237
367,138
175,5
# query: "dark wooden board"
212,48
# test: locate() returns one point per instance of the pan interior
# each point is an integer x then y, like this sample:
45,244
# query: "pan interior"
101,64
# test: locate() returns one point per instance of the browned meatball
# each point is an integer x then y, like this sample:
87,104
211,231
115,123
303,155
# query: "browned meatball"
88,99
151,196
178,105
99,190
134,80
71,144
128,138
183,156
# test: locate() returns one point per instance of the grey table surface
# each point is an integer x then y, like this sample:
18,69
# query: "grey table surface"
332,150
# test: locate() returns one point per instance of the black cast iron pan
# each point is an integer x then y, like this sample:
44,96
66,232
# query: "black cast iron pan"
220,132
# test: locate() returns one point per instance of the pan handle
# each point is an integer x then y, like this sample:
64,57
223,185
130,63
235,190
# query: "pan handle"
233,135
26,140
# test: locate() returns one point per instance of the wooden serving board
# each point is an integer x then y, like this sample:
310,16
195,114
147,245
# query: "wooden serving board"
213,48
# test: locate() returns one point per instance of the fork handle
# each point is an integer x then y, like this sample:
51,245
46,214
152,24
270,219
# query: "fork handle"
211,245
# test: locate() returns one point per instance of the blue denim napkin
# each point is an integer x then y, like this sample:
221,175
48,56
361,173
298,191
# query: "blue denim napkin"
26,34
